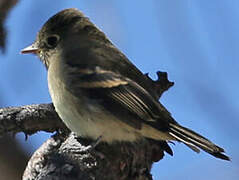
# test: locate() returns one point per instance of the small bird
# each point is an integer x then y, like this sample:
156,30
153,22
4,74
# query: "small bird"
98,92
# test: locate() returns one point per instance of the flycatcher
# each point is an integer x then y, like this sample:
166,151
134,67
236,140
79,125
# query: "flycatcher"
98,92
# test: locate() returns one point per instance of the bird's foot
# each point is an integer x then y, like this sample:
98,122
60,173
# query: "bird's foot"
91,148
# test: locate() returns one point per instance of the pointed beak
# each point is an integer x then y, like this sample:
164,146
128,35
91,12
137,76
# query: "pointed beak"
32,49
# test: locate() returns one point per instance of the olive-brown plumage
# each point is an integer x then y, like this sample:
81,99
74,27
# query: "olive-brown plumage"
97,91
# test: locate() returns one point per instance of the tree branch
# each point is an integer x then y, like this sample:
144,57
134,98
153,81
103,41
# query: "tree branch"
29,119
66,158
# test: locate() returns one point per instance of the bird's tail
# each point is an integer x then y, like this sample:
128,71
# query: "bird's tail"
196,141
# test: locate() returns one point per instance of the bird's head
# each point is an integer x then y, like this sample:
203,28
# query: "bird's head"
67,29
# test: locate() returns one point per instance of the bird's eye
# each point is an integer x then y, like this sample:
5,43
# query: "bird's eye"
52,41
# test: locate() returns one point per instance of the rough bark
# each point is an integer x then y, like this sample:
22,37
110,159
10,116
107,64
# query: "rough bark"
29,119
70,158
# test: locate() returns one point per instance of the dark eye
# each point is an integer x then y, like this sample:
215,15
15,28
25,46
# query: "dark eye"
52,41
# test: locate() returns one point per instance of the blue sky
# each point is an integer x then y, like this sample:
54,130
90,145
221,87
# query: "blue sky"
196,42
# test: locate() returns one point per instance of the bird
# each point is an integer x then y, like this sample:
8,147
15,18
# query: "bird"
99,93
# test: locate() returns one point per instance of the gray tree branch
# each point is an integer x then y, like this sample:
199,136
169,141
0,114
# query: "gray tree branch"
68,158
29,119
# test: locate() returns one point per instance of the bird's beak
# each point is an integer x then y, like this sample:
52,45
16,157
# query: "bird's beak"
33,49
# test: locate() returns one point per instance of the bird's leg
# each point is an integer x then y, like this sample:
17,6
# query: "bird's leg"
96,142
92,146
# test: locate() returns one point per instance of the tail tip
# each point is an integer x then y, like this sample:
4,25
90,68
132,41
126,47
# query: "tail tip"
221,156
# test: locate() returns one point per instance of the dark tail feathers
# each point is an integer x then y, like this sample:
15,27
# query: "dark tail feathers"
196,141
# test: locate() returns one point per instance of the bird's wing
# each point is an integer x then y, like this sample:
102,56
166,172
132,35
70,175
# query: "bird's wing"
118,93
